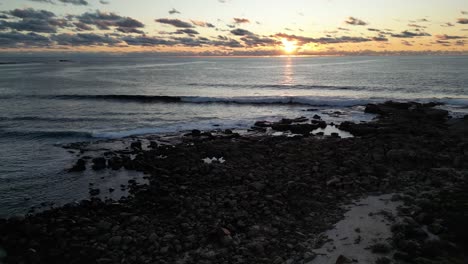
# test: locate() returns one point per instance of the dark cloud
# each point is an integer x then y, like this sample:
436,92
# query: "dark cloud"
105,21
448,24
241,20
174,11
355,21
406,43
374,29
464,12
103,2
187,31
416,26
17,40
448,37
85,39
460,43
82,26
463,21
241,32
380,38
30,13
409,34
32,25
146,41
258,41
324,40
343,29
174,22
202,24
29,19
72,2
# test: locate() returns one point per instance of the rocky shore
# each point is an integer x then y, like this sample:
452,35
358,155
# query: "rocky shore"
228,198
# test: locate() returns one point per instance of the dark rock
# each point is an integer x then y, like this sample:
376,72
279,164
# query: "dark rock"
136,145
99,163
79,166
94,192
381,248
196,133
263,124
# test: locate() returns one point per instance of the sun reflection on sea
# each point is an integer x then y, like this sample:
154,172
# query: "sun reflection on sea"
288,73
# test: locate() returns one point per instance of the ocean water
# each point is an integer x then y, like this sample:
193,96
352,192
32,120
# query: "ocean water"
46,102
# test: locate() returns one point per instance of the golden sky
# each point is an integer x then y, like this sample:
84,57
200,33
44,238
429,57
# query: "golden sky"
235,27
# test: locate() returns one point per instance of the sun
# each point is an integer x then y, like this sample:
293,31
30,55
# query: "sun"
289,46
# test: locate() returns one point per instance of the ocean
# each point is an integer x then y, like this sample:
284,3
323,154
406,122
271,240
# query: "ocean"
46,102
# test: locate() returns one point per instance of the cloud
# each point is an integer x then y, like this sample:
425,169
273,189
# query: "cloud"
241,20
463,21
30,13
323,40
104,21
174,22
406,43
355,21
84,39
18,40
257,41
104,2
146,41
174,11
29,19
380,38
73,2
82,26
460,43
409,34
416,26
202,24
448,37
241,32
187,31
448,24
374,29
464,12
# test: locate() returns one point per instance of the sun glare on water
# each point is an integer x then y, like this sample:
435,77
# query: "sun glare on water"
289,46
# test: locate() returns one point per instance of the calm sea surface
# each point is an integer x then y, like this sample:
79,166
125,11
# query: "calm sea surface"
45,103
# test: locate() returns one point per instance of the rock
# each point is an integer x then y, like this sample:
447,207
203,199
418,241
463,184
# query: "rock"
334,181
115,163
196,133
115,241
228,132
153,145
263,124
258,186
136,145
383,260
94,192
343,260
381,248
104,225
80,165
99,163
317,117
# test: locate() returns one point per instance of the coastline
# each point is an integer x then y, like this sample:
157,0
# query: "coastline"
268,202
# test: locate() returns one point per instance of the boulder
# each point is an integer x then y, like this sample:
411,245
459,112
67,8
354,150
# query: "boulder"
99,163
80,165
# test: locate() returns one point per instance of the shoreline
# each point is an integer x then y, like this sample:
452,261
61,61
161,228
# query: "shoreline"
264,204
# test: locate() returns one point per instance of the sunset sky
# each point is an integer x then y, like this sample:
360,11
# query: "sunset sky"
235,27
